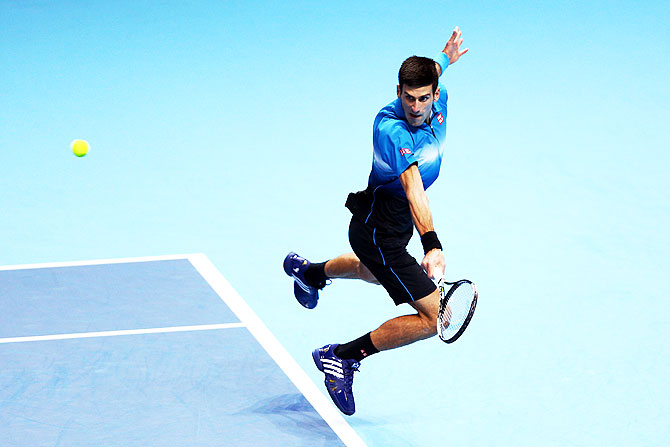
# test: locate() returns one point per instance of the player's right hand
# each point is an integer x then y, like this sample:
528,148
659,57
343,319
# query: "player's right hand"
434,264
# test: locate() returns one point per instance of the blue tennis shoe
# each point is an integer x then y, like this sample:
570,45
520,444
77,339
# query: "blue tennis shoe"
339,377
295,267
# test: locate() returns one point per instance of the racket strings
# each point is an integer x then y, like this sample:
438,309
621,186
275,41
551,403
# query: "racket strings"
456,312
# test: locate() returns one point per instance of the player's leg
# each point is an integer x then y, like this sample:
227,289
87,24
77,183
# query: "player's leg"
404,279
348,266
407,329
385,256
339,362
311,277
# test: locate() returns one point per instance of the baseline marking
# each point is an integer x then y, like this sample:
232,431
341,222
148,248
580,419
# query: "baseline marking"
95,262
279,354
159,330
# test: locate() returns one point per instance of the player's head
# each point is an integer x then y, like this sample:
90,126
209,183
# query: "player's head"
417,88
418,71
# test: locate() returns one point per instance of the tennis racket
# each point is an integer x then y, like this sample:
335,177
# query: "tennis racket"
457,305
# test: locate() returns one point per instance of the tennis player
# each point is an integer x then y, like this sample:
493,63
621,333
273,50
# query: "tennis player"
408,145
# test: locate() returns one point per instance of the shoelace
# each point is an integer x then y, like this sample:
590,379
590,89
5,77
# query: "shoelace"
349,378
324,284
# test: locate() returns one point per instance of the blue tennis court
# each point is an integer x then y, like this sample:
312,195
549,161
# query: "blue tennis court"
238,129
148,352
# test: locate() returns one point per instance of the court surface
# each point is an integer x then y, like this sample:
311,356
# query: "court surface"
237,129
148,352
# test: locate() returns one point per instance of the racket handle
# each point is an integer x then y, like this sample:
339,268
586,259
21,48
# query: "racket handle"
438,276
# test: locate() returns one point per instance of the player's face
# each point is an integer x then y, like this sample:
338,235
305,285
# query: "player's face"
417,103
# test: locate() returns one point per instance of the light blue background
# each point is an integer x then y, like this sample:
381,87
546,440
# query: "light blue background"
238,128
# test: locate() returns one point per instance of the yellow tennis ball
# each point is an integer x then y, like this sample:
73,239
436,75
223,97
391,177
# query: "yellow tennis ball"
79,147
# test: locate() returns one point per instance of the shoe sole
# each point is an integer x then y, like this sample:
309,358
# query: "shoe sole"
289,272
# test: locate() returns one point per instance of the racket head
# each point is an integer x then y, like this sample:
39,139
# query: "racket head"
458,301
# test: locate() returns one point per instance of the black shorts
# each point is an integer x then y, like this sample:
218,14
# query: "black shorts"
386,257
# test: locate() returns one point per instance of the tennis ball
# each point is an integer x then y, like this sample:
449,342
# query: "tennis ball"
79,147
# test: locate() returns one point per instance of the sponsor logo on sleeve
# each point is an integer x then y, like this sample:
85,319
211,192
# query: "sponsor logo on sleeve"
405,151
440,118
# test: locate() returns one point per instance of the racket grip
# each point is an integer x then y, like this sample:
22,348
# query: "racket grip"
438,276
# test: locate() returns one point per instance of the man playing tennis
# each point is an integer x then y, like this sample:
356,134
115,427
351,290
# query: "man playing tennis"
408,141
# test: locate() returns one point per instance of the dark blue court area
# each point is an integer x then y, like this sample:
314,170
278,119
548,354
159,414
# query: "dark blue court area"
152,352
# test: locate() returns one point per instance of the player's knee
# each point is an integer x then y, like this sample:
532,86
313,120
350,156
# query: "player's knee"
429,325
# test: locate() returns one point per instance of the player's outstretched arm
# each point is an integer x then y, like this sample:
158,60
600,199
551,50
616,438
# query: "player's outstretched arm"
433,262
453,48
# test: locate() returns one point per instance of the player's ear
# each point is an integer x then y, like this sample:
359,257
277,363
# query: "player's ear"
398,90
437,94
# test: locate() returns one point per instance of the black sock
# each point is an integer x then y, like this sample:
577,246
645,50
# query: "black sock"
315,275
358,349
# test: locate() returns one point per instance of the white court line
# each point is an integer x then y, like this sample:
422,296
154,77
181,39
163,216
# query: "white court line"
279,354
95,262
158,330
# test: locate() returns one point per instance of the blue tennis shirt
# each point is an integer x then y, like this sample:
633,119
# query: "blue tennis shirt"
383,206
397,146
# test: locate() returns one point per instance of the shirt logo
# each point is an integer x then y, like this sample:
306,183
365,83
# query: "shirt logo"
440,118
405,151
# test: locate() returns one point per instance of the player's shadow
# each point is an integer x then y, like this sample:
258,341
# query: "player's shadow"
292,413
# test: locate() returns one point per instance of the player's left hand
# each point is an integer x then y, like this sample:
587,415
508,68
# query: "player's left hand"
453,47
433,263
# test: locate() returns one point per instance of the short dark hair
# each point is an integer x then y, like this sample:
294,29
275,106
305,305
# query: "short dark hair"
418,71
